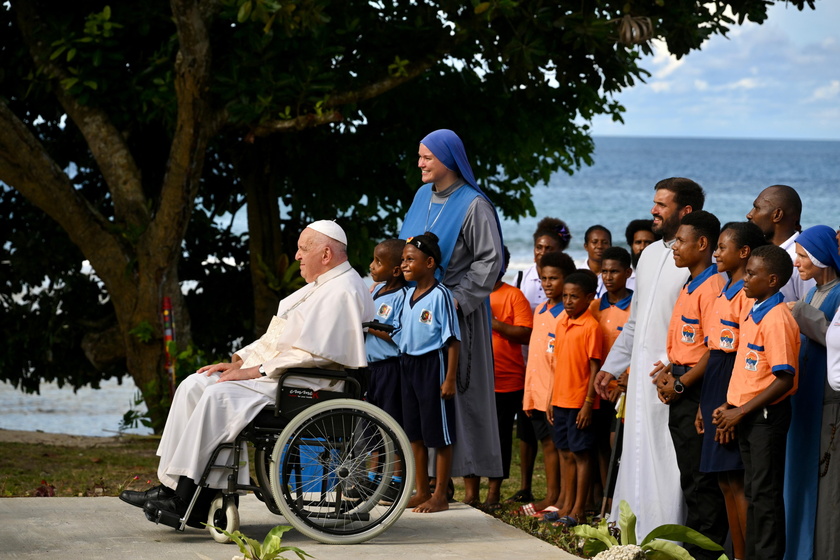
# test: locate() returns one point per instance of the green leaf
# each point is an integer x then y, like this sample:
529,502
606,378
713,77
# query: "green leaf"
244,12
274,539
71,54
106,12
683,534
665,550
482,7
601,533
57,52
68,83
627,523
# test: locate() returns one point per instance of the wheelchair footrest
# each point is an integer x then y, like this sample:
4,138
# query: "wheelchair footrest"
167,518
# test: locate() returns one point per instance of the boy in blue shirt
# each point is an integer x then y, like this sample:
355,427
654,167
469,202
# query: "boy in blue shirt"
428,337
382,353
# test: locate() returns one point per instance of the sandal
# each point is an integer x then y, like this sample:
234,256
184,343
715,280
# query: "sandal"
523,496
565,521
527,510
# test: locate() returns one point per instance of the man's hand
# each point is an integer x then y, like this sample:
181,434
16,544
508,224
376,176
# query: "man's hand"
240,374
602,383
222,367
726,418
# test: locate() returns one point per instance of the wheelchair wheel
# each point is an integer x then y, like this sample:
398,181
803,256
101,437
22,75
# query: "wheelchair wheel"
225,515
342,471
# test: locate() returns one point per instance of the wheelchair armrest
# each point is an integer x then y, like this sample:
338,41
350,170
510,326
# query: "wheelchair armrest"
376,325
352,385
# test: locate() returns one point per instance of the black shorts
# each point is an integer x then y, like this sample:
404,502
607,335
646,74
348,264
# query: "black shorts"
384,387
539,422
426,416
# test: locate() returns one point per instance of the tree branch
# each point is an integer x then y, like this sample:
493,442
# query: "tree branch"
106,143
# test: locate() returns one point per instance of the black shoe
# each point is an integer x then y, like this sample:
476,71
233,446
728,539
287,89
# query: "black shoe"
170,511
137,499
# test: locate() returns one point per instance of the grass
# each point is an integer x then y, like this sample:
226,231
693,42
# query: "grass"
108,469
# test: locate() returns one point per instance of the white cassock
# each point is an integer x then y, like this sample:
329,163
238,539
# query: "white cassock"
648,478
318,326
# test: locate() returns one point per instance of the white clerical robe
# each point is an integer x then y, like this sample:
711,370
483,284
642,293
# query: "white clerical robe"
648,477
318,326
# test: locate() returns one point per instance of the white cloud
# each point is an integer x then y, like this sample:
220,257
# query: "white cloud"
830,91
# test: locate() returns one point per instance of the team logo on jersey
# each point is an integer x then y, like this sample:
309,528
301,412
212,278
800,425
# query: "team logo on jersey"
751,360
550,348
426,317
689,333
384,311
727,339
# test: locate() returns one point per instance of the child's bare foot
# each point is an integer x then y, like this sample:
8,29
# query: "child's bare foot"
418,499
432,505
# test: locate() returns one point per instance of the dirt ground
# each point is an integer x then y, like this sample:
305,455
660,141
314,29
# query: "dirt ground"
44,438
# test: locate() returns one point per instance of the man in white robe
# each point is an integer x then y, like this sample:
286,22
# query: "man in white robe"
318,326
648,478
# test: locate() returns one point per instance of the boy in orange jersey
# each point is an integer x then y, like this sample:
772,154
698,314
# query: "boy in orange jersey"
680,383
758,407
578,353
611,312
553,269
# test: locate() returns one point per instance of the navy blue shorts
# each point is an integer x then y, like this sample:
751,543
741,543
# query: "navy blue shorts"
426,416
567,436
384,387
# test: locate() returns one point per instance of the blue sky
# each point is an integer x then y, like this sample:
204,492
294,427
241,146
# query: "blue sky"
776,80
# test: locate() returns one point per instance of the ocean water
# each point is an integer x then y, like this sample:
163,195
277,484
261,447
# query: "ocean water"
617,189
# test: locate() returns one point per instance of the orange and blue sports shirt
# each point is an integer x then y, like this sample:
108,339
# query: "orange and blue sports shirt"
578,341
510,306
729,307
611,317
692,316
769,347
541,357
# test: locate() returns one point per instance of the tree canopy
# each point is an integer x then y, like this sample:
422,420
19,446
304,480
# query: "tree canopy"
130,132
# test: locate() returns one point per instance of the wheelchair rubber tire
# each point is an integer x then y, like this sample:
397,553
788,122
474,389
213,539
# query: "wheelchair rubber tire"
366,431
225,515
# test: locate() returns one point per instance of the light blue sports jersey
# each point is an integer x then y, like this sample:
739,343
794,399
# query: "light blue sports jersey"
388,307
426,324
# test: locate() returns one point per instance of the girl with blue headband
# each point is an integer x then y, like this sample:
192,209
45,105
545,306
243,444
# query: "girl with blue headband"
808,503
452,206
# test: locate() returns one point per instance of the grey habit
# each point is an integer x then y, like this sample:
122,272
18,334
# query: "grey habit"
473,270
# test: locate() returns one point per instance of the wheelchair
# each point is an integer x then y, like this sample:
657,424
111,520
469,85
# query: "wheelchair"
338,469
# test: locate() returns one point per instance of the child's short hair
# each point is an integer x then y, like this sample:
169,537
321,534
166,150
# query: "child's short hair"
592,229
746,234
776,260
618,254
705,224
392,251
639,225
556,229
428,244
559,260
587,282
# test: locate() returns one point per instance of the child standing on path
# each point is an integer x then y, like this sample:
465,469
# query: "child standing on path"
553,269
735,244
382,353
577,355
428,337
758,407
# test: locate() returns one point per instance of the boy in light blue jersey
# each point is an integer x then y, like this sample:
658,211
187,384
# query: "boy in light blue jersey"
382,353
428,337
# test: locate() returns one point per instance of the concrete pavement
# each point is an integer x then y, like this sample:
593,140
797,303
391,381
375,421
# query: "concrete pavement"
106,528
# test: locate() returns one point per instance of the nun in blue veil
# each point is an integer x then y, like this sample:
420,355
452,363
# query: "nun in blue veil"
817,258
452,206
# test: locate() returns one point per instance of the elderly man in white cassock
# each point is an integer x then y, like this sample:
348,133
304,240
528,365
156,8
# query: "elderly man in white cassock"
318,326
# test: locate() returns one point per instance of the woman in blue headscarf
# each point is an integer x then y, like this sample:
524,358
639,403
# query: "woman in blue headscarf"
817,258
452,206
